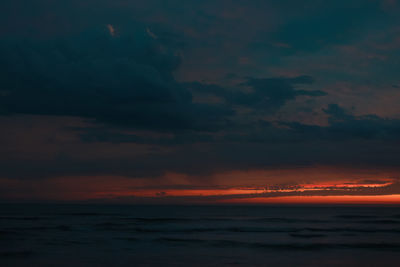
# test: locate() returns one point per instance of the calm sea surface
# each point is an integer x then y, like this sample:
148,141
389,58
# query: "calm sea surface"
106,235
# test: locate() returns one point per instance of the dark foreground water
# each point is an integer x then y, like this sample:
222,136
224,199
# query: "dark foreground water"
100,235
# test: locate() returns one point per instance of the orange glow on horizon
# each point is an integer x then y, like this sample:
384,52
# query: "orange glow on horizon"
122,189
242,192
375,199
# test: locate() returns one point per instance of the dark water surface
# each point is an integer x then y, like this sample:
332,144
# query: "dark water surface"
110,235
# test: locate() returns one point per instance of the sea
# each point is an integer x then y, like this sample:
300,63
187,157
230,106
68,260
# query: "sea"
264,235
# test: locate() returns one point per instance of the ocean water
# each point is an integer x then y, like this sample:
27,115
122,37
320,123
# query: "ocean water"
112,235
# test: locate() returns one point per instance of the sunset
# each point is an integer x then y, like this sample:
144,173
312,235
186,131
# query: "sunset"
233,132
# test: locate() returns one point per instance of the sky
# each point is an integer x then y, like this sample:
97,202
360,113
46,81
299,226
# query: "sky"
200,101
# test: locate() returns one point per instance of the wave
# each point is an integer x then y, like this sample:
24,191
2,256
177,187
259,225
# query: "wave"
128,228
356,217
16,254
88,214
258,220
39,228
22,218
307,235
267,219
379,222
357,230
158,220
284,246
287,220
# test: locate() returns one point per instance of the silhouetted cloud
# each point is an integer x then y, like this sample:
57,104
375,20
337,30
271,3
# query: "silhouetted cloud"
125,80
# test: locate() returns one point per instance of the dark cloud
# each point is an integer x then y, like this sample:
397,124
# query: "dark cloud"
295,145
322,24
345,126
271,94
348,126
266,94
337,113
125,80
